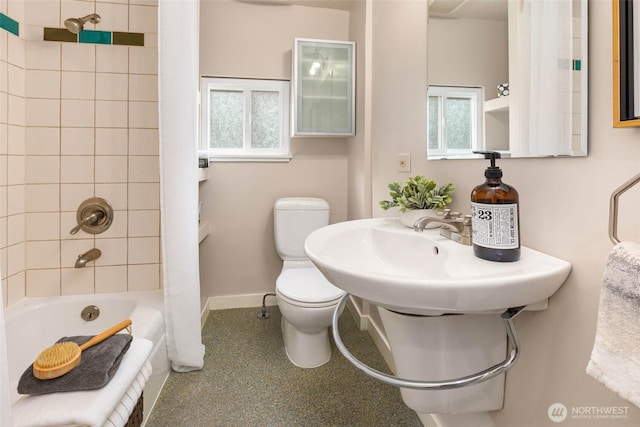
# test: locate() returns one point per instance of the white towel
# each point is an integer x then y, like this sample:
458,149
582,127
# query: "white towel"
615,359
84,408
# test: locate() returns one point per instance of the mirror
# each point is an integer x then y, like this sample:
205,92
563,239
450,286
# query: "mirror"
507,76
626,65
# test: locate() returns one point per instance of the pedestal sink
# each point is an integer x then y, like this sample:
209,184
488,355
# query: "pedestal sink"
442,308
424,273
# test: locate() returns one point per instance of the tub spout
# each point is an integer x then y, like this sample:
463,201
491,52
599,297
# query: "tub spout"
90,255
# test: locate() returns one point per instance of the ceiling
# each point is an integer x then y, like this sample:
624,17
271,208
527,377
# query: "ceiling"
494,10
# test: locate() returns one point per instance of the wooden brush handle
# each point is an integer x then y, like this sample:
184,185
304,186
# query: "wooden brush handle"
106,334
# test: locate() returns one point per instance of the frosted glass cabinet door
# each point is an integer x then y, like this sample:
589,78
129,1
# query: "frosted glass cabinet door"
324,89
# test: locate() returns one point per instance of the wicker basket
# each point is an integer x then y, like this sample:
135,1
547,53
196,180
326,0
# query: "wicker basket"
135,420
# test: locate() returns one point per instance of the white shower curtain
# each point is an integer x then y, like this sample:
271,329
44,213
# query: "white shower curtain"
178,23
545,72
5,390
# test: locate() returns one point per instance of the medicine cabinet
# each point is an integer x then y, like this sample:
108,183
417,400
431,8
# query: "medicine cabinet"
323,88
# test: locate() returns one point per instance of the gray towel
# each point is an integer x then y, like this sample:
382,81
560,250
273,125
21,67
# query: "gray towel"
614,358
98,364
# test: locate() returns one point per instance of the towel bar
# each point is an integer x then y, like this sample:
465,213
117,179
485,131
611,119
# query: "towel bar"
613,207
467,380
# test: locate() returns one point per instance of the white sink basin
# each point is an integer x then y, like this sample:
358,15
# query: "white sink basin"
395,267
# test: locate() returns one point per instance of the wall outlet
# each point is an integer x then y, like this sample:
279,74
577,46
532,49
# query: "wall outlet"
404,162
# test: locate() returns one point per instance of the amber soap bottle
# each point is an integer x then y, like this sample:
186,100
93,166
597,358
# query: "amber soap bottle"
495,219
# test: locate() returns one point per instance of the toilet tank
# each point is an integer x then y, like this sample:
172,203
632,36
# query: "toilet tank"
294,218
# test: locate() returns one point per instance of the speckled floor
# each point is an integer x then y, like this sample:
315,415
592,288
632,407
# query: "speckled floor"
247,380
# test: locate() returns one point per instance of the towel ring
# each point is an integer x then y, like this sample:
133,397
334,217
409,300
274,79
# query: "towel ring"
613,207
475,378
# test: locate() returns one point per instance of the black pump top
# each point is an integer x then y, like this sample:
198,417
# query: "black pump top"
492,171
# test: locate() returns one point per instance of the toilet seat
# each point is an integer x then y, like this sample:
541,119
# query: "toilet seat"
307,287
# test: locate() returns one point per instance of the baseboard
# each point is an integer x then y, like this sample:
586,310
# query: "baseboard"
362,320
239,301
204,313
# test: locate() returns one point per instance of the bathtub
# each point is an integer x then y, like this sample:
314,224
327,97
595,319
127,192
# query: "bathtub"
34,324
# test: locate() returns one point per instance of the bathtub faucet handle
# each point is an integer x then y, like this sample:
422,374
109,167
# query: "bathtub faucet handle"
88,220
94,216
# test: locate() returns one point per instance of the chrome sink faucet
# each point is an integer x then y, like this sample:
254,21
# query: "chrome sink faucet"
453,226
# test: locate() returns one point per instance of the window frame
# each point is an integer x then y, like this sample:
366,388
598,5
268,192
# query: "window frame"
246,86
476,95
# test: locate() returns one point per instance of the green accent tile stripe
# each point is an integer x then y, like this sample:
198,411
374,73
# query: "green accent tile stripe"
128,39
59,35
97,37
9,24
577,64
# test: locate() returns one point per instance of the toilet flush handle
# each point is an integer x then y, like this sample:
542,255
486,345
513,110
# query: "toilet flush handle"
478,377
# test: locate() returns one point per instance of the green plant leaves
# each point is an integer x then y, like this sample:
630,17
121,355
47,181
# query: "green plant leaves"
418,193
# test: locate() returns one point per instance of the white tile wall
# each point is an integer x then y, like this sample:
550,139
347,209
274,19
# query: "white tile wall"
43,283
72,195
113,59
77,121
111,114
42,141
41,198
111,279
43,84
78,85
77,141
112,142
111,86
111,169
42,226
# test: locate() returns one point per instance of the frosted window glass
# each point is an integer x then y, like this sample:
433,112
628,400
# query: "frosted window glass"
226,118
433,127
459,125
265,119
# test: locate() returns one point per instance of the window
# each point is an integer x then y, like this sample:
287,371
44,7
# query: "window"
454,120
244,119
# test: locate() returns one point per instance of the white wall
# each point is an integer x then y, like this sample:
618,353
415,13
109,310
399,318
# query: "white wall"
249,40
564,212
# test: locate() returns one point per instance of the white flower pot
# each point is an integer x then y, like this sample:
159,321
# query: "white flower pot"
409,217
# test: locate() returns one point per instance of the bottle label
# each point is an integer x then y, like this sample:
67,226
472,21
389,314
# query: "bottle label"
495,226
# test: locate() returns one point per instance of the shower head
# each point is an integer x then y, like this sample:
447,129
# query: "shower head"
75,25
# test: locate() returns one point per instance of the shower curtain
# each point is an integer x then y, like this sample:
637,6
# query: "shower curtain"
5,391
545,71
178,49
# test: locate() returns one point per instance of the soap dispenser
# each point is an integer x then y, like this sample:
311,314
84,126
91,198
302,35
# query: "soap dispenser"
495,216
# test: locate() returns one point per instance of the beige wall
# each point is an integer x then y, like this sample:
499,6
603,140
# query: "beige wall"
564,212
472,52
468,52
248,40
359,155
78,120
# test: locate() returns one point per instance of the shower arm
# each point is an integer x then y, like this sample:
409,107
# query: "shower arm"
467,380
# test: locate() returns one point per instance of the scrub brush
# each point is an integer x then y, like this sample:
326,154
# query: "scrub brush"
62,357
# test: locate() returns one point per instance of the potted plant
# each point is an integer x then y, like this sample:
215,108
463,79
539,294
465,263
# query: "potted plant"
419,196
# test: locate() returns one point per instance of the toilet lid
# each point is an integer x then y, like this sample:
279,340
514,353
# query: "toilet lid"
307,285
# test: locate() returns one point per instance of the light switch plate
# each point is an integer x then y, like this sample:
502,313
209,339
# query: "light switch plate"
404,162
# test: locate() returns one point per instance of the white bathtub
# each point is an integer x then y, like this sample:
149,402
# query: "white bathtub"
34,324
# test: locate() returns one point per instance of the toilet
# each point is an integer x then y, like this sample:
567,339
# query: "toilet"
305,298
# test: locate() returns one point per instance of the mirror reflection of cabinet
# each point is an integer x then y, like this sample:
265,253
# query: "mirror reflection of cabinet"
323,88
